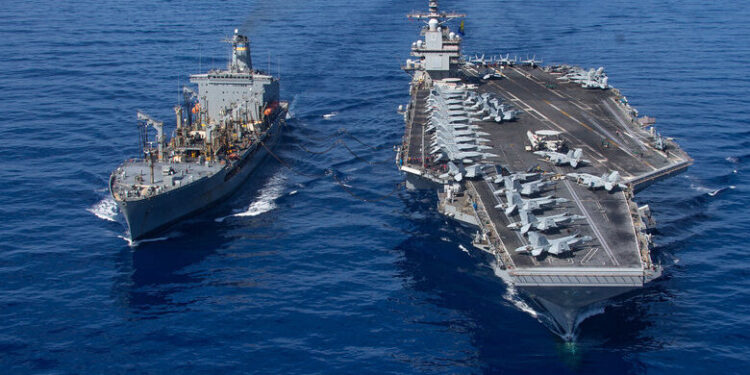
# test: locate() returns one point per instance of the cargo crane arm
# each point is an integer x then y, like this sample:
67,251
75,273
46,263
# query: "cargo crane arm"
159,126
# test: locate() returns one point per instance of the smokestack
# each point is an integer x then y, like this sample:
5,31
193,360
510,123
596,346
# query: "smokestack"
241,60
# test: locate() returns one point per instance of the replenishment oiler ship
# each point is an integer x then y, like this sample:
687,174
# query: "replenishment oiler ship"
544,161
223,132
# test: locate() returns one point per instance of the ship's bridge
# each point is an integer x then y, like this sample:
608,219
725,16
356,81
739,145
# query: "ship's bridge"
238,83
440,51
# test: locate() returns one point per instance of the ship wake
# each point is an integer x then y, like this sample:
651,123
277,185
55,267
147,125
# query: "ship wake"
292,107
709,191
511,295
135,243
266,200
105,209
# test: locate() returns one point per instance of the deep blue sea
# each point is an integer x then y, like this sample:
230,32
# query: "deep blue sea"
296,275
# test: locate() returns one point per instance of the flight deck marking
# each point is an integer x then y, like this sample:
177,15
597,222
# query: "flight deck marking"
573,101
602,209
561,128
628,131
586,258
564,130
597,133
591,222
569,116
606,133
535,81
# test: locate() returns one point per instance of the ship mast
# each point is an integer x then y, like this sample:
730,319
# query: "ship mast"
435,13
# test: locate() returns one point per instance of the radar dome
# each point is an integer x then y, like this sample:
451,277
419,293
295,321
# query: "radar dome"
433,23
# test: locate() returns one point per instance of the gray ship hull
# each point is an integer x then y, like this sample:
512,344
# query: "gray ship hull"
487,136
562,303
148,216
567,306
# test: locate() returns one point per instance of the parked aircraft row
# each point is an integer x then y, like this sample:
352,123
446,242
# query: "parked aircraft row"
502,60
592,79
531,184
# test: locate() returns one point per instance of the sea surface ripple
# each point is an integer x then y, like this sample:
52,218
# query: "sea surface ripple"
294,274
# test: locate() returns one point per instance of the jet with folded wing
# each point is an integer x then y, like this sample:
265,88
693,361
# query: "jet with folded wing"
608,182
543,223
531,204
573,157
539,244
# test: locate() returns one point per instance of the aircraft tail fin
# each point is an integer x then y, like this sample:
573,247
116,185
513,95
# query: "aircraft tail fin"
578,153
534,238
510,209
527,217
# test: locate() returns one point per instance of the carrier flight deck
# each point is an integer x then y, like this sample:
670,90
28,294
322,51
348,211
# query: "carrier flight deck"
544,161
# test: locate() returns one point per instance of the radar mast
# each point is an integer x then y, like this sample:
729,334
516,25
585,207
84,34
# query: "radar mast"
439,53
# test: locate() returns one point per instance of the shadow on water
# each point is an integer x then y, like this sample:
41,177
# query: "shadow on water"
464,281
152,272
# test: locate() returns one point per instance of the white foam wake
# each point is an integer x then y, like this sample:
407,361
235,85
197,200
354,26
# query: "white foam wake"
465,250
266,200
709,191
105,209
292,106
699,188
591,311
133,243
511,294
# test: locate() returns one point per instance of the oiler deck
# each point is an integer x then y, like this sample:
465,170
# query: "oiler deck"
597,121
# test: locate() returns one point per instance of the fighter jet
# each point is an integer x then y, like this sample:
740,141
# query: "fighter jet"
477,60
542,224
572,157
491,74
507,61
516,176
539,244
473,170
593,79
453,170
600,83
534,187
454,137
608,182
532,62
531,204
490,108
575,75
509,114
529,188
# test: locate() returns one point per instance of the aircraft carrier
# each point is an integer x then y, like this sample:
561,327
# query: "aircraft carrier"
222,133
543,161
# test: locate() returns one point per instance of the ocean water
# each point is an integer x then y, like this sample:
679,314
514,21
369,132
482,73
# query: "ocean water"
296,273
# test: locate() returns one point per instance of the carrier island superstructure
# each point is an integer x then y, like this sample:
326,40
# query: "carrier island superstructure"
222,133
543,161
